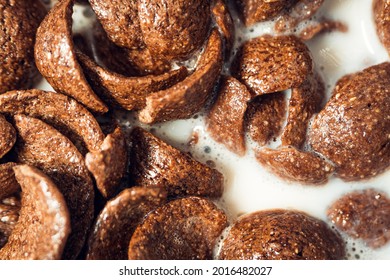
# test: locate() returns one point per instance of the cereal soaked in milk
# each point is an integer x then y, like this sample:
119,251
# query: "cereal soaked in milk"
248,186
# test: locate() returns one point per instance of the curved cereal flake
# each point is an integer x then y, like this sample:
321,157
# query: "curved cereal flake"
174,29
7,136
56,58
44,224
117,221
128,92
353,130
64,113
225,122
382,20
155,163
363,214
9,215
270,64
305,101
19,21
8,183
184,229
225,23
108,166
44,147
190,95
280,234
291,164
265,117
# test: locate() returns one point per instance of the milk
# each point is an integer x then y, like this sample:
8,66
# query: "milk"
248,186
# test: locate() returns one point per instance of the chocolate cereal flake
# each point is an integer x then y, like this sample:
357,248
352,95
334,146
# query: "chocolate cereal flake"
225,23
19,21
225,121
382,20
363,214
265,117
44,225
353,130
7,136
188,96
8,183
44,147
117,221
281,235
155,163
184,229
292,164
269,64
56,58
9,215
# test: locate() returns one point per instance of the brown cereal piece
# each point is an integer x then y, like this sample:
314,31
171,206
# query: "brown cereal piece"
145,63
353,130
188,96
303,10
304,102
129,92
253,11
7,136
9,215
265,117
120,20
60,111
325,25
56,58
382,20
44,224
281,235
225,122
117,221
8,183
19,21
155,163
108,166
363,214
224,21
174,29
44,147
294,165
184,229
269,64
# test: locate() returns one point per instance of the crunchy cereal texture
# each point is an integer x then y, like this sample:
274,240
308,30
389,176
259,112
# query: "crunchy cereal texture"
8,183
224,21
116,223
108,166
382,20
265,117
303,10
7,136
294,165
42,146
363,214
281,235
56,58
269,64
174,29
353,130
155,163
184,229
305,101
9,216
19,21
253,11
60,111
190,95
127,92
225,122
44,224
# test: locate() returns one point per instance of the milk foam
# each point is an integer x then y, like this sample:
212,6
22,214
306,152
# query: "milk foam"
248,186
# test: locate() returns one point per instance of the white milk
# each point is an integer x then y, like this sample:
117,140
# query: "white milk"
249,187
